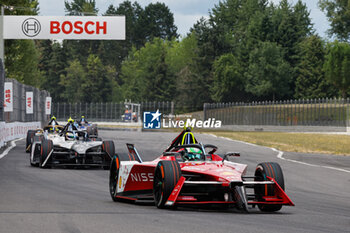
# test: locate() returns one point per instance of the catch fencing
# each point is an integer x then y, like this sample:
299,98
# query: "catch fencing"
15,124
19,104
313,112
2,80
114,112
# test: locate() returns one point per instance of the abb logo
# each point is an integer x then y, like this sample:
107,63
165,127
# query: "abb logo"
29,102
78,27
7,96
48,103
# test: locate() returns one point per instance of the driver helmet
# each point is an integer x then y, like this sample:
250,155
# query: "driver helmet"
53,118
193,154
70,136
82,118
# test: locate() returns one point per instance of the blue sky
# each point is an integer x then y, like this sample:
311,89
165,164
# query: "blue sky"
186,12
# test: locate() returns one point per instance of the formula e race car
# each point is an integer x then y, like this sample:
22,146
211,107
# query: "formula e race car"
70,148
91,129
84,125
189,173
38,134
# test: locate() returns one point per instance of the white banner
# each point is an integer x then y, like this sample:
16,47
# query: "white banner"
10,131
65,27
48,105
8,97
29,102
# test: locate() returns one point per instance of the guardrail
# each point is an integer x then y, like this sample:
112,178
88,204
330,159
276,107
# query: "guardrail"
114,112
313,112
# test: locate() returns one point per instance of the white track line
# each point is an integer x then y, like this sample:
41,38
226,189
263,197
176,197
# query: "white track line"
13,144
280,155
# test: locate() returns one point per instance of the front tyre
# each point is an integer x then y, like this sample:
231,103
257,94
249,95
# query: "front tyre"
46,148
262,171
113,177
29,139
166,176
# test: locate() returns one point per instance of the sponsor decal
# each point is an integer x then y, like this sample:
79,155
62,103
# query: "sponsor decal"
78,27
31,27
151,120
48,106
29,102
8,97
193,123
227,173
64,27
141,177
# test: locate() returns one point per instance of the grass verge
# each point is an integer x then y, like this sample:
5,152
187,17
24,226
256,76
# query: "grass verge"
294,142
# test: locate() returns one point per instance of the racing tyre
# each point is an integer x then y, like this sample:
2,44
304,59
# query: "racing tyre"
89,131
114,175
94,129
274,171
46,147
36,151
109,149
29,139
166,176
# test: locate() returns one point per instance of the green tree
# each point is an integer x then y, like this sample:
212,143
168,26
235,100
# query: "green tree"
311,81
228,82
81,7
337,65
338,13
72,81
157,21
268,75
21,56
96,85
81,49
183,62
118,50
146,75
55,68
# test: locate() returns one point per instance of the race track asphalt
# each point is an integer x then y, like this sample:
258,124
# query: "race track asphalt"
77,200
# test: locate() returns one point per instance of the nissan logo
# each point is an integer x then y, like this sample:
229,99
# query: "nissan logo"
31,27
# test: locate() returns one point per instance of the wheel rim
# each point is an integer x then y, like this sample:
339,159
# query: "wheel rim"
113,180
158,187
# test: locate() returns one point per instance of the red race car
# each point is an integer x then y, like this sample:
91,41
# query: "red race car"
190,173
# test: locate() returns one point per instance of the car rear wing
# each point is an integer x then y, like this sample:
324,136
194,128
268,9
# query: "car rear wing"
133,152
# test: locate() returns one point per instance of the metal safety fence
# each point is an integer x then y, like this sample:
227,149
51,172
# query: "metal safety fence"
115,112
19,112
2,80
310,112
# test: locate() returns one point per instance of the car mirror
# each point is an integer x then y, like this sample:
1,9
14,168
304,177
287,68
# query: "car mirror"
228,154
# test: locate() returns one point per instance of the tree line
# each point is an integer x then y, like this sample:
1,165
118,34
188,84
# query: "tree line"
247,50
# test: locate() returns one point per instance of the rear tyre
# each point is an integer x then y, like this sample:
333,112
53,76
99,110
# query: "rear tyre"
29,139
166,176
94,130
89,131
262,171
46,147
109,149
